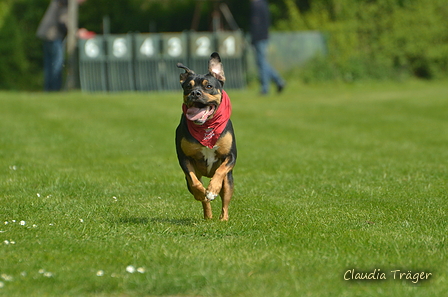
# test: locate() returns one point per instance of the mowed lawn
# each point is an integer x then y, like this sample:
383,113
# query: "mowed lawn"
333,182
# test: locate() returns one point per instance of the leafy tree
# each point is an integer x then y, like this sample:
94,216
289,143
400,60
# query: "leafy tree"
378,38
366,38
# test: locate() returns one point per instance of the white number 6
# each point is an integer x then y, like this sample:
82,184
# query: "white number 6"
91,49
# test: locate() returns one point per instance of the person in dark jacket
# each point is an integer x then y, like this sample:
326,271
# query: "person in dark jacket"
260,20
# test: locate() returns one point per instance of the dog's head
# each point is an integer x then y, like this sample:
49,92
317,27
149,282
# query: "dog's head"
203,93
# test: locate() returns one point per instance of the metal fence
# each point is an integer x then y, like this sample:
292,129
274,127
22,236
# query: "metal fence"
147,62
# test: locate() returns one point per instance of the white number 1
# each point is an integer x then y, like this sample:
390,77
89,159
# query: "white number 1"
230,45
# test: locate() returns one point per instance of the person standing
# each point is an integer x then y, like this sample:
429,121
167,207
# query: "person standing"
260,20
52,30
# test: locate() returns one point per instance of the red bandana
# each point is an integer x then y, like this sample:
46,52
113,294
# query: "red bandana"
209,132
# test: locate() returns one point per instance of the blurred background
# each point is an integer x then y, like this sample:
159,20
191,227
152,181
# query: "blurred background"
357,39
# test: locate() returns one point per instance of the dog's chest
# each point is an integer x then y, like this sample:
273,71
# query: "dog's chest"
209,157
203,158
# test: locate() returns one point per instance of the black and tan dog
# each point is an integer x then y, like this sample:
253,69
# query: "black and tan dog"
205,141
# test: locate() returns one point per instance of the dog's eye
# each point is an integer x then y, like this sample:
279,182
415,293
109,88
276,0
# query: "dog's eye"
209,87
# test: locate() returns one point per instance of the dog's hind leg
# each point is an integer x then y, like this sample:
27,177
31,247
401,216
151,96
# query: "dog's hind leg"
226,194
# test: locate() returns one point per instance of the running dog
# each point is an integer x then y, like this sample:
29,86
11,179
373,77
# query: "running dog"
205,141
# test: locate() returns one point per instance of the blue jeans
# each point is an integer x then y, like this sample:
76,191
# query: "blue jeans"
53,64
266,72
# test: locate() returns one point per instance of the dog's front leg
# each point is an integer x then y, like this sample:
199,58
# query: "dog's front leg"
216,182
221,184
196,188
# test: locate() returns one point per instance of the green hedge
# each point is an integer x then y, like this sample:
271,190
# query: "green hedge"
20,49
380,39
367,39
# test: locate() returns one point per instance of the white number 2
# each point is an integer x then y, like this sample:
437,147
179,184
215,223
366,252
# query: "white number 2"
203,44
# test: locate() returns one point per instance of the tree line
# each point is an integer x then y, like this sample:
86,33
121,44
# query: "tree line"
367,39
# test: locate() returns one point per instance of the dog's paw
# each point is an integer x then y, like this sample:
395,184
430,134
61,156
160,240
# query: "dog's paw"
210,196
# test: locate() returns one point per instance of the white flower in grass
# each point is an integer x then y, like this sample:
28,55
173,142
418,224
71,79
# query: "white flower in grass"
38,195
81,220
2,284
46,273
6,277
130,269
6,242
6,222
22,223
141,270
100,273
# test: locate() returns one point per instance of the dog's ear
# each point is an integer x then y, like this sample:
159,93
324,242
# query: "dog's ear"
215,68
188,72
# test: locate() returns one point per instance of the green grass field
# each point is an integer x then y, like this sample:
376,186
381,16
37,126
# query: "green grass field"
329,178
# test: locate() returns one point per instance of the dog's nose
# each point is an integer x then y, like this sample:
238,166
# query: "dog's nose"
196,93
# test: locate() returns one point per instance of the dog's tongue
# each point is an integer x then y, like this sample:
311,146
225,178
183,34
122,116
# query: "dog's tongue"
196,113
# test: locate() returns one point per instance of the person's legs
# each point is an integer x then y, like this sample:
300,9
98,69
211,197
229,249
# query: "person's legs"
266,72
58,64
263,66
53,63
274,76
47,65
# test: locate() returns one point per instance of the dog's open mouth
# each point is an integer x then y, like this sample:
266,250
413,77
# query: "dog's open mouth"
199,112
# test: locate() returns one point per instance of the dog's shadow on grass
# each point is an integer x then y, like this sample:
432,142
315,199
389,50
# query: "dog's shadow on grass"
147,221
